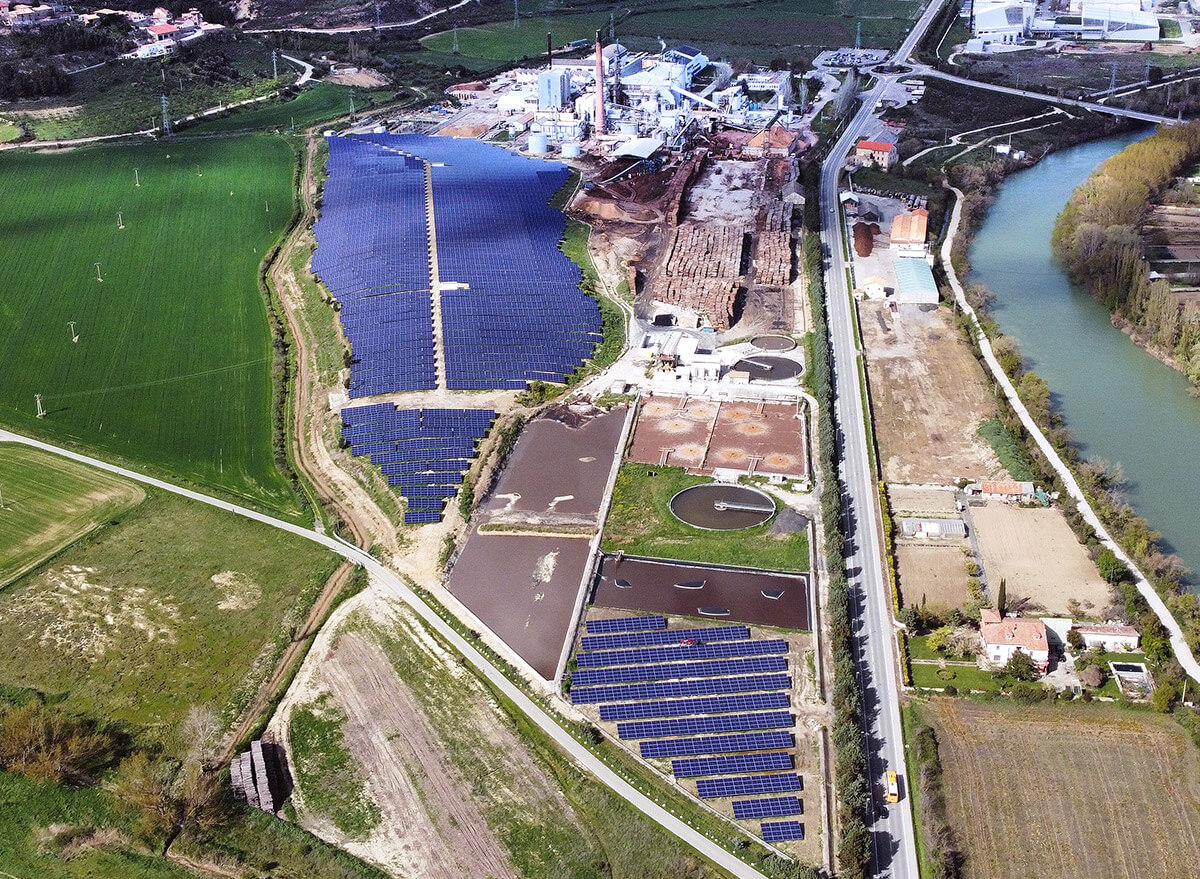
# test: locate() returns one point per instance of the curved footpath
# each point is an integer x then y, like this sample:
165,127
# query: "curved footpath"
589,761
1179,644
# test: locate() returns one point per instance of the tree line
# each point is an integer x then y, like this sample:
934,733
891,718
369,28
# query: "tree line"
1098,238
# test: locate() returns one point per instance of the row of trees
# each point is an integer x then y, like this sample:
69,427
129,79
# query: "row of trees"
1098,238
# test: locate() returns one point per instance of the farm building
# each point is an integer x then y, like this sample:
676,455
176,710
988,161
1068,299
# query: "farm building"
914,282
933,529
1007,491
1110,636
909,231
1002,637
873,152
874,287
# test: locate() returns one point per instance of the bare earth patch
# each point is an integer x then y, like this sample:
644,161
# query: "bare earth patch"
933,573
1036,552
1068,791
927,395
906,501
237,590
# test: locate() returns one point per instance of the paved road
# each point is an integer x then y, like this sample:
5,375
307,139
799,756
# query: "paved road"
1154,118
893,842
385,578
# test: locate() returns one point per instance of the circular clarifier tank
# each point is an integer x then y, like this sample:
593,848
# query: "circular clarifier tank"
768,368
717,507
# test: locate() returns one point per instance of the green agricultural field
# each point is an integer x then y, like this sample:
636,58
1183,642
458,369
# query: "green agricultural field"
8,131
640,523
48,502
324,100
178,604
503,42
172,365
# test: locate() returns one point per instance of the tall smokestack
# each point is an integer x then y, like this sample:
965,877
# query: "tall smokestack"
549,50
599,121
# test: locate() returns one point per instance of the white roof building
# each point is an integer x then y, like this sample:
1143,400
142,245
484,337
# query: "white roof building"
933,529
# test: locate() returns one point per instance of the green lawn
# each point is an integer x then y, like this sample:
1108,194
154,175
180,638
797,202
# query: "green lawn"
172,366
47,502
8,131
321,101
962,677
640,523
179,604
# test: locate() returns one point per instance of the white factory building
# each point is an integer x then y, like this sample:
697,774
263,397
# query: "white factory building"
1007,23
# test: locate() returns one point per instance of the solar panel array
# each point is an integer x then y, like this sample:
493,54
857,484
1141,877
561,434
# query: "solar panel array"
373,255
423,452
691,767
782,831
620,674
712,701
747,785
672,689
626,624
512,309
773,807
721,723
680,651
760,741
654,639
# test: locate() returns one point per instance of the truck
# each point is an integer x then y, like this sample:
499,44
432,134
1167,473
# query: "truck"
893,787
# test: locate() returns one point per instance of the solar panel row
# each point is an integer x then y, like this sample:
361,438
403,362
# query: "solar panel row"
690,767
673,636
772,807
679,707
626,624
678,652
628,673
758,741
747,785
782,831
670,689
721,723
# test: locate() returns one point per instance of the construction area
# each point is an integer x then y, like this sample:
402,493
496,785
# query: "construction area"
703,436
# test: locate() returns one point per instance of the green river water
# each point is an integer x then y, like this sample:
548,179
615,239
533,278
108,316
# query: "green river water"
1119,402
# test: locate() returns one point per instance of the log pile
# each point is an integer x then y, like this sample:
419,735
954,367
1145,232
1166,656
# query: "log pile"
702,271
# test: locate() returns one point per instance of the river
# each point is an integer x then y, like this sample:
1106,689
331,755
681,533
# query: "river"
1119,402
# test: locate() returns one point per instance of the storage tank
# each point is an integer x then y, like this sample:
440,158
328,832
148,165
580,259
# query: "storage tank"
538,144
570,151
629,128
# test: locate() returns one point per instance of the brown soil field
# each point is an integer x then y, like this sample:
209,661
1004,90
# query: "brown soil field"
1067,791
1040,557
906,501
933,573
928,397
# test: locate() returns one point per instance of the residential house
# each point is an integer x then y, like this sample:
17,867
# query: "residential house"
873,152
1010,492
1003,637
1110,636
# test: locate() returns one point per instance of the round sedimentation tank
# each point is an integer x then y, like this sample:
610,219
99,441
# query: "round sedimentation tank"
773,343
717,507
767,368
571,150
538,144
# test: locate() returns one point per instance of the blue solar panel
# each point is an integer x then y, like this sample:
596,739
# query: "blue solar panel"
680,652
679,707
782,831
759,741
670,689
721,723
620,674
747,785
690,767
772,807
673,636
626,624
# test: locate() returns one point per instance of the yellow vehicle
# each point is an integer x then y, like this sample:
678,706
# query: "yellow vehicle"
893,787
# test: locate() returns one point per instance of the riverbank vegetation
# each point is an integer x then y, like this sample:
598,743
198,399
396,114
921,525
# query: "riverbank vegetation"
1098,238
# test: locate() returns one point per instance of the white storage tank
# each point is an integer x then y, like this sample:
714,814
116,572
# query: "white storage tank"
538,144
629,128
570,150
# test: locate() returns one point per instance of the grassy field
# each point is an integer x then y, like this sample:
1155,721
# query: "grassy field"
47,502
1087,790
1007,449
962,677
8,131
325,770
178,604
762,31
640,523
172,366
323,100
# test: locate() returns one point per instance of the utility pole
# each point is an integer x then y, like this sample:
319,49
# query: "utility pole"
120,222
454,49
516,15
99,277
41,413
1112,82
74,335
166,118
858,37
275,64
136,180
